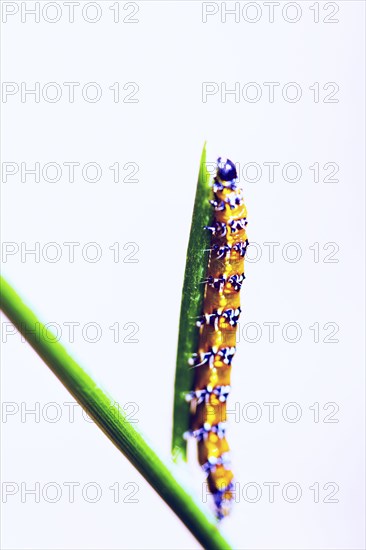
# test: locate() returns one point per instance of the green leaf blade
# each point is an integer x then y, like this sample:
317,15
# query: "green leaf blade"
191,307
111,420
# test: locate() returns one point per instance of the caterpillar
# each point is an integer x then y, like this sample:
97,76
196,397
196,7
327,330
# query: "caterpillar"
217,334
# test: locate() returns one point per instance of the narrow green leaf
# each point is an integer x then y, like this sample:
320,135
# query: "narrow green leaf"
191,307
108,416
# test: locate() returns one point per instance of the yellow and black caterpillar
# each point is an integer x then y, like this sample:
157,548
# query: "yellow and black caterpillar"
217,333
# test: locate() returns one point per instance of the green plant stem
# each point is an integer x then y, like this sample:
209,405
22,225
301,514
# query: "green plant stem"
110,419
191,307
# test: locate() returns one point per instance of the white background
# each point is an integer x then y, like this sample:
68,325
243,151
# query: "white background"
169,53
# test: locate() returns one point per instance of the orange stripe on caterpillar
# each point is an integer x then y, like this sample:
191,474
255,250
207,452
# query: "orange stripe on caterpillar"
217,336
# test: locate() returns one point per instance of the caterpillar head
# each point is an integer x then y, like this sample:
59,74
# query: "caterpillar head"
226,170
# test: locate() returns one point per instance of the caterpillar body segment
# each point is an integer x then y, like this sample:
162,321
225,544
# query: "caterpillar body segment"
217,334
